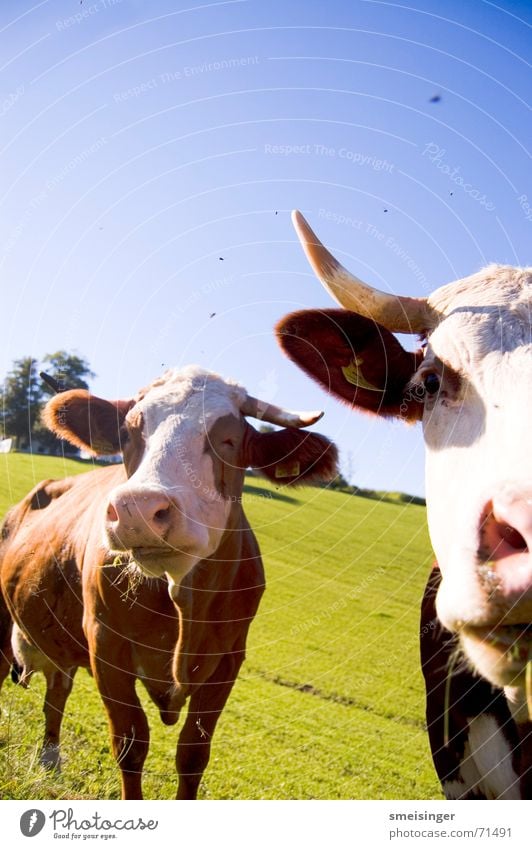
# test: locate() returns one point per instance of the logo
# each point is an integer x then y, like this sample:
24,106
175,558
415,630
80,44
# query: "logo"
32,822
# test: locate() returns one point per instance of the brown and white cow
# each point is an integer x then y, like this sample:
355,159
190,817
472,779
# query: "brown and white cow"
471,385
172,512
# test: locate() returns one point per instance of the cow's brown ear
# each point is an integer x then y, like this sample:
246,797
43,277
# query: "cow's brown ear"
353,358
86,421
292,456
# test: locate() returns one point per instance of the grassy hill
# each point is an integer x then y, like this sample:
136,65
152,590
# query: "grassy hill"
329,704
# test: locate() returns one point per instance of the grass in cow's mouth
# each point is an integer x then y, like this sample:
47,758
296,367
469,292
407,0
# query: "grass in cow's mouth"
515,640
509,635
121,560
131,570
155,551
135,576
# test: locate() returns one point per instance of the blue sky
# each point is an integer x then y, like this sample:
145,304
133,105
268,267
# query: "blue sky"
142,142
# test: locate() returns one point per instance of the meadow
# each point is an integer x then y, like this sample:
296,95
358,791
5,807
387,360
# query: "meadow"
329,703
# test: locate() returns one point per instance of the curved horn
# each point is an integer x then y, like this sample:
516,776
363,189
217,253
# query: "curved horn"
276,415
52,382
396,313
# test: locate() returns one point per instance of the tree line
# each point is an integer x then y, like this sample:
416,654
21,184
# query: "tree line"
23,395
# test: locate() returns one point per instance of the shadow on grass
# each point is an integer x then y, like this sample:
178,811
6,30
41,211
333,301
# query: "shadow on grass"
262,492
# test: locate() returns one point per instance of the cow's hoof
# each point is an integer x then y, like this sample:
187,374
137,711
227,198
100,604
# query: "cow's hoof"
50,758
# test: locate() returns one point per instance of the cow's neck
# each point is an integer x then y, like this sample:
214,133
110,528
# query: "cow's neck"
198,593
518,704
205,573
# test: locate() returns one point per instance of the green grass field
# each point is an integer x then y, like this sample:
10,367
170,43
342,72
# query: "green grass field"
329,704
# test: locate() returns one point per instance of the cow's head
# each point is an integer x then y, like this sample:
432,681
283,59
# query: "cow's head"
471,385
186,444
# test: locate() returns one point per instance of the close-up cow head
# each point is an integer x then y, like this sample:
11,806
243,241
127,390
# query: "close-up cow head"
186,444
470,385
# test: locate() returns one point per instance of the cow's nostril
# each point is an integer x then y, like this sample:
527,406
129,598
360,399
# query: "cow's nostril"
162,515
112,515
512,537
505,530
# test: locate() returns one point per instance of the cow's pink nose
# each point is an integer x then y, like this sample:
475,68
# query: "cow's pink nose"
507,529
139,517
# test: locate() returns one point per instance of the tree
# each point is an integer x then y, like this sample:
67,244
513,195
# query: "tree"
69,370
21,398
339,482
23,394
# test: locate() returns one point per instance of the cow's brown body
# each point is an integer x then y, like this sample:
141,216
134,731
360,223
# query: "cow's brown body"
148,570
55,578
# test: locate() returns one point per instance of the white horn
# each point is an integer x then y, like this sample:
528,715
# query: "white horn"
276,415
395,312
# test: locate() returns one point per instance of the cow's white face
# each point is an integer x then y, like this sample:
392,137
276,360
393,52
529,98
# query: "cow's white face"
472,387
173,507
186,444
479,466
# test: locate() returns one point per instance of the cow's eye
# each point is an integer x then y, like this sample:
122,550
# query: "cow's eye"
229,442
431,382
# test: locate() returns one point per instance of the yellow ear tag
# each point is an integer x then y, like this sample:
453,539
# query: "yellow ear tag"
288,470
102,447
353,374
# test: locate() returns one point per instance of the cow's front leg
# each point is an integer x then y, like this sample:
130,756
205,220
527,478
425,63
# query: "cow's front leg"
59,685
6,652
130,733
206,705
